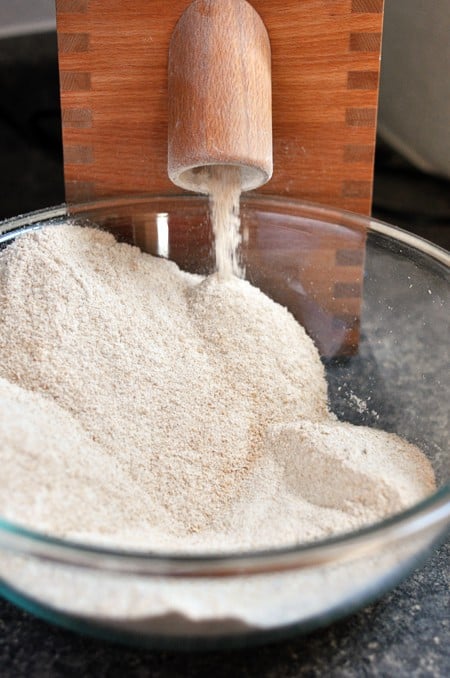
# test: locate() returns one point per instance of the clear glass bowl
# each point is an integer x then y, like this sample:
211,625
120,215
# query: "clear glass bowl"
373,297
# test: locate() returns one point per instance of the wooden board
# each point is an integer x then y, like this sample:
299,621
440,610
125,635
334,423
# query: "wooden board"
113,59
113,77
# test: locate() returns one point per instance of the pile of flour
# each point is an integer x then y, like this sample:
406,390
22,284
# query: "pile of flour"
144,406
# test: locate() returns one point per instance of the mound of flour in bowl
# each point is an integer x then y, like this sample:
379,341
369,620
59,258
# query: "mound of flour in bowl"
144,406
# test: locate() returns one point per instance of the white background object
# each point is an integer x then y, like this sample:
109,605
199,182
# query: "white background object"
414,113
18,17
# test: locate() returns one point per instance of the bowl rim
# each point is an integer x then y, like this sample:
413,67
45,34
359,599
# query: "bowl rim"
430,515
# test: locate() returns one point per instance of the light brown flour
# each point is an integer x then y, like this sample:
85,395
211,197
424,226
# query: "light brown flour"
223,184
144,406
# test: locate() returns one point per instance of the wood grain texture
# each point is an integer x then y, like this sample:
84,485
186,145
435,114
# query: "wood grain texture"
73,42
365,42
120,80
363,6
362,80
71,6
219,94
76,117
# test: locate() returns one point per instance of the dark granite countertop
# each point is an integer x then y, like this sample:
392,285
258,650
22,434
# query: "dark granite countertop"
406,633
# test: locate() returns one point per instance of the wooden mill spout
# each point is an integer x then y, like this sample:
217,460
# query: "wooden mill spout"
220,106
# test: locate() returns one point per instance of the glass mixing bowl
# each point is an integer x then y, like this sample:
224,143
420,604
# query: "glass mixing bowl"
373,297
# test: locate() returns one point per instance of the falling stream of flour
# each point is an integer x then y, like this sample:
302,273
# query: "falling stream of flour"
223,184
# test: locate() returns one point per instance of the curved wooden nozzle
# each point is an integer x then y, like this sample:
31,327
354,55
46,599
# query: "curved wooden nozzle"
220,105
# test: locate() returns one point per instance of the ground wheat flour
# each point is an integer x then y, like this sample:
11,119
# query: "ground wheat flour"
144,406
